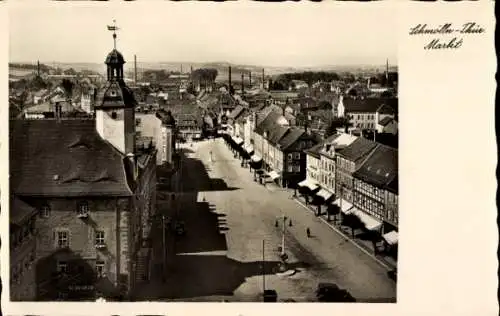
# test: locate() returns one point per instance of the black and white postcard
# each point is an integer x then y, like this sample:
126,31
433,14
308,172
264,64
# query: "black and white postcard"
336,153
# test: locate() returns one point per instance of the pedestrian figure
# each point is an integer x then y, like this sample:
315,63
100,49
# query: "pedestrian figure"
308,232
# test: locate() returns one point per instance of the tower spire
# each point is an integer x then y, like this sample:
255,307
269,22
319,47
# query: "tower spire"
113,28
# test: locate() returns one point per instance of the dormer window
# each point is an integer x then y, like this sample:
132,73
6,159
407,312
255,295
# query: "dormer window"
83,209
45,211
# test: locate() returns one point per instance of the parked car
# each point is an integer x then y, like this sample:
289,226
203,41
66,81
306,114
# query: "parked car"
330,292
270,296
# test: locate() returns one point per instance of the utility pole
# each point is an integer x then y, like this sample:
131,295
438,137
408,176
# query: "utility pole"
164,248
283,236
263,267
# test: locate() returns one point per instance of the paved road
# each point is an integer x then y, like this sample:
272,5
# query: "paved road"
228,216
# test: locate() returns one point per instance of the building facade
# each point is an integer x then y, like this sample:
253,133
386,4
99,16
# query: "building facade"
375,187
347,161
23,235
93,188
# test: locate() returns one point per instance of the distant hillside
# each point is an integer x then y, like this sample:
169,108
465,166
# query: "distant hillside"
222,68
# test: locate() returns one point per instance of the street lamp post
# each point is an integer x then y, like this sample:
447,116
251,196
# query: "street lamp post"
164,247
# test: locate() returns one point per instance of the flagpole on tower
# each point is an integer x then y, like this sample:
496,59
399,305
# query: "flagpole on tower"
114,33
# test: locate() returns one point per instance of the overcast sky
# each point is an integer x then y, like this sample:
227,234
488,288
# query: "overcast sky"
285,34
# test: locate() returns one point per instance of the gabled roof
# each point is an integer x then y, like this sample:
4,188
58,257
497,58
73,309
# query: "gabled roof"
386,109
294,134
385,121
368,105
236,112
380,168
358,149
265,112
242,116
276,133
64,158
314,150
268,123
20,211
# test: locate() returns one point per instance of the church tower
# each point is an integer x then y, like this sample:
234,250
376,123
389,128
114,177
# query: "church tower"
115,105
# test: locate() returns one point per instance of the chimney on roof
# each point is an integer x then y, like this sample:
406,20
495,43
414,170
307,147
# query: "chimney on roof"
387,72
38,68
263,80
250,78
135,69
229,79
181,69
242,83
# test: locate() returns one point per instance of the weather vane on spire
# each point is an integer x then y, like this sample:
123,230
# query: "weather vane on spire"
113,28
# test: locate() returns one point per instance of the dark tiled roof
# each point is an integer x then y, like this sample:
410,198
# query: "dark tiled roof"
264,112
242,116
393,186
64,158
368,105
268,123
20,211
358,149
115,94
380,167
293,135
386,109
315,150
236,112
115,57
276,133
385,121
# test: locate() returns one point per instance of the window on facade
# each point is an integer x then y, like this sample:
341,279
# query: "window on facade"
99,237
99,268
45,211
114,115
62,267
137,122
83,208
297,155
62,239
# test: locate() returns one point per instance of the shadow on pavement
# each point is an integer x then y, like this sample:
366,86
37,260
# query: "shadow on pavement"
197,179
209,275
204,230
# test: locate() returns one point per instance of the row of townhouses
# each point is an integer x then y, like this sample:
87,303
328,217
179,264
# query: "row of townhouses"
357,175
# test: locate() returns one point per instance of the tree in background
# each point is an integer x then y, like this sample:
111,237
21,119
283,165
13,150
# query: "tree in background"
339,122
204,76
68,86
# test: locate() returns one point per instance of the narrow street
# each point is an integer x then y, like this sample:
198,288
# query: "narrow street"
228,216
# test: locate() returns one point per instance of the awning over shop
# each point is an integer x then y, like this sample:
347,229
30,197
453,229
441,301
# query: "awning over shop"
391,237
324,194
346,206
256,158
238,140
248,148
369,221
274,175
308,183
